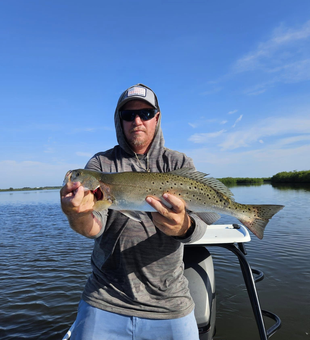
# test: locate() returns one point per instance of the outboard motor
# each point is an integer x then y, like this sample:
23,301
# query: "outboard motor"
199,272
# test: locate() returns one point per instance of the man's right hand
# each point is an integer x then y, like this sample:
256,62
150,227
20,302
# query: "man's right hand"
78,205
74,200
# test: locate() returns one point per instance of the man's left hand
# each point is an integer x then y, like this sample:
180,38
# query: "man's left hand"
172,221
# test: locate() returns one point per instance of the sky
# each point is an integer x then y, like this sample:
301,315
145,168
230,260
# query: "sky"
232,79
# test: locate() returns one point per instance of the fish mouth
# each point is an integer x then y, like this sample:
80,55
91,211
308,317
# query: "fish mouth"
67,177
98,194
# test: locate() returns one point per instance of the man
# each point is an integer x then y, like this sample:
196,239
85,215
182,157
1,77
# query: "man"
137,289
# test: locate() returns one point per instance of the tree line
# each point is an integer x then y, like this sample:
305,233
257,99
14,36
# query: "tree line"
291,177
281,177
29,188
231,181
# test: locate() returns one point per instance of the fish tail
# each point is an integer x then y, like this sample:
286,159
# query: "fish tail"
262,215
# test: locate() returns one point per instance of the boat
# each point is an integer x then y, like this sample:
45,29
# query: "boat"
199,271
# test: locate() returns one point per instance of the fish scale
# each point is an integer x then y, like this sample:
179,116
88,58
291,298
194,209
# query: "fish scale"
205,196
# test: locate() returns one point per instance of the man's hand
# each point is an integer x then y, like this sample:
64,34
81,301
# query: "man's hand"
172,221
74,200
78,204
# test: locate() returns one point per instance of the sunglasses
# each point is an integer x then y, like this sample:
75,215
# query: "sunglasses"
144,114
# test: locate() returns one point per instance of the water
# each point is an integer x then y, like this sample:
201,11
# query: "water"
44,266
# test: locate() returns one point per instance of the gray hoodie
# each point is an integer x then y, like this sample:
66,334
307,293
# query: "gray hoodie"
137,269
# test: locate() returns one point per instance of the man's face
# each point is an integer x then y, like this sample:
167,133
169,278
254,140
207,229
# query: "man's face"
139,133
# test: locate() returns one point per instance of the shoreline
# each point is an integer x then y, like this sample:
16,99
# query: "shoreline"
31,189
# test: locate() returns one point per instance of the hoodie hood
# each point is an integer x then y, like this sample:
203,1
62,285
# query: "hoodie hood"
139,92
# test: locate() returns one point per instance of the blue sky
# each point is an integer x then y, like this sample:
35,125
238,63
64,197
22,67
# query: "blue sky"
232,77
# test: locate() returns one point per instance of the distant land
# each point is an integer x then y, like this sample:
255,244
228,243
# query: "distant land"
28,189
281,177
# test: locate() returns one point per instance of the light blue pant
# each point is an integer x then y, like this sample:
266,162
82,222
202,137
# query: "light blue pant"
96,324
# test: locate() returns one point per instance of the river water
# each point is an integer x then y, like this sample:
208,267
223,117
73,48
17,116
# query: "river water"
44,266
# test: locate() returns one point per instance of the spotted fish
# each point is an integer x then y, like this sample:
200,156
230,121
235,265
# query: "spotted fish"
205,196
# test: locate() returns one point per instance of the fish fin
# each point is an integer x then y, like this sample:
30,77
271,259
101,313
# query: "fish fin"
264,214
131,214
209,217
201,177
101,205
190,173
219,187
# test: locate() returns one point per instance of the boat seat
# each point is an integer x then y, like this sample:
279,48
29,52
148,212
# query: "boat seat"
200,274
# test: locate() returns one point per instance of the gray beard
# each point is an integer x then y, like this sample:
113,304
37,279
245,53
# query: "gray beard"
136,142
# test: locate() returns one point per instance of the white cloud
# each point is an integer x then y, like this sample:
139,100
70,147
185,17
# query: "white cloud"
201,122
266,128
237,121
204,137
283,35
287,130
292,140
254,92
288,73
281,39
293,72
232,112
283,57
263,162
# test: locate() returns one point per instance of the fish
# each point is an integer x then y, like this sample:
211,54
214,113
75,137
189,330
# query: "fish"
205,196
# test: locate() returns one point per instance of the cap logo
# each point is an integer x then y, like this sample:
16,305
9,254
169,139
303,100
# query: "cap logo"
136,91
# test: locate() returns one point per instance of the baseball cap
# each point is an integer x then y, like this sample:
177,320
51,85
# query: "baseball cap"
138,92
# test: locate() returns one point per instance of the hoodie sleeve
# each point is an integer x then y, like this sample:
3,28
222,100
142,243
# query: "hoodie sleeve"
199,229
